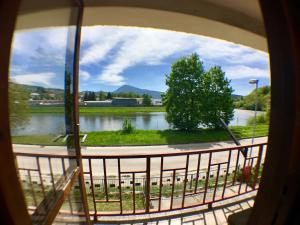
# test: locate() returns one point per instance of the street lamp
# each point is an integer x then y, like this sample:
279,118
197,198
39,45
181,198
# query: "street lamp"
254,81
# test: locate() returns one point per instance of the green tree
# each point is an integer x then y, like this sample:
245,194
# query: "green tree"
146,100
195,97
216,98
101,96
109,96
18,105
182,96
85,96
92,96
262,96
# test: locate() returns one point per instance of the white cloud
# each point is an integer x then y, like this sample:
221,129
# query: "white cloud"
214,49
112,79
241,71
125,47
84,75
96,53
41,79
100,41
53,39
142,46
135,46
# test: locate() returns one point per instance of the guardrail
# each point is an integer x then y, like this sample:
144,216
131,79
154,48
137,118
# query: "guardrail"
142,184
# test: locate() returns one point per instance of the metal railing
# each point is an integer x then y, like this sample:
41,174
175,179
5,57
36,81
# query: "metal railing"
142,184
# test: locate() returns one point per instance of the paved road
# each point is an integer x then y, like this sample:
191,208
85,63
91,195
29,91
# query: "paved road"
131,164
125,150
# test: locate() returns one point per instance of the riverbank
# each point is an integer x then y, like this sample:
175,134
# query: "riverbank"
99,110
149,137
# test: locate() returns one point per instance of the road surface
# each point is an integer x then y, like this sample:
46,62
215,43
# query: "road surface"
131,164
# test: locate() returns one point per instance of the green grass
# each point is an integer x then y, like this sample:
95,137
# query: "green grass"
127,192
149,137
100,110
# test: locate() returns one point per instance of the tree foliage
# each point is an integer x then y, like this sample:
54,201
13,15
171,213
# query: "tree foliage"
109,95
216,100
146,100
89,96
262,97
101,96
195,97
19,113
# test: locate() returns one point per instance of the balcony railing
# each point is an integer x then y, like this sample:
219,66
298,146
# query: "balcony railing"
141,184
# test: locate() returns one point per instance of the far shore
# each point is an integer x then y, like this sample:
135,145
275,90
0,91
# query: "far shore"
100,110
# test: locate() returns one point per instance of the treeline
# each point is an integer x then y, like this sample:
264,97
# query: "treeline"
262,97
101,96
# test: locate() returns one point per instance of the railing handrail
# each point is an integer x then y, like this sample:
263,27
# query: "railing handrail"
152,155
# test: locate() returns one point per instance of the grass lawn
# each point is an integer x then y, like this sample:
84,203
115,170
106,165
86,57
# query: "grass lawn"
150,137
127,191
100,110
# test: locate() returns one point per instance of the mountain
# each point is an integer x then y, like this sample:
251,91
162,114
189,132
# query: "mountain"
32,88
45,93
261,97
236,97
128,88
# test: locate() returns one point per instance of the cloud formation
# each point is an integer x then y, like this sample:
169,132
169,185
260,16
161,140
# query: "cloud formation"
242,72
138,46
43,79
108,53
84,75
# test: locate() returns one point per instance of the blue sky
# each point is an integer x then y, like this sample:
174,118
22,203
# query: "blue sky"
141,57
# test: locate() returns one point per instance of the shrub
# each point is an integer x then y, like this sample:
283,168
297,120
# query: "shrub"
127,127
260,119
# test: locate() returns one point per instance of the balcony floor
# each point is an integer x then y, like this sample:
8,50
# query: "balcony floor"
198,216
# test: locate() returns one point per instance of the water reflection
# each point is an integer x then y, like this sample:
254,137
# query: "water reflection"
54,123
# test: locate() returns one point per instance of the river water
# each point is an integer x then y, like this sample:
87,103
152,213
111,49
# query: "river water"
47,123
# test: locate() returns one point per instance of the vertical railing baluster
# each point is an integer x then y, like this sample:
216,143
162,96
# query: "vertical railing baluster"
241,182
260,152
92,187
105,180
160,181
120,187
236,165
191,181
64,173
207,177
197,175
147,189
133,190
227,171
216,182
51,174
32,188
173,187
62,160
185,179
251,165
40,175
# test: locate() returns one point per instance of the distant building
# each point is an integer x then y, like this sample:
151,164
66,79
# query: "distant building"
156,101
97,103
127,101
52,95
46,102
35,96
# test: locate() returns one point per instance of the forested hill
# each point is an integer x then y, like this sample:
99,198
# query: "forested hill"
263,100
132,89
